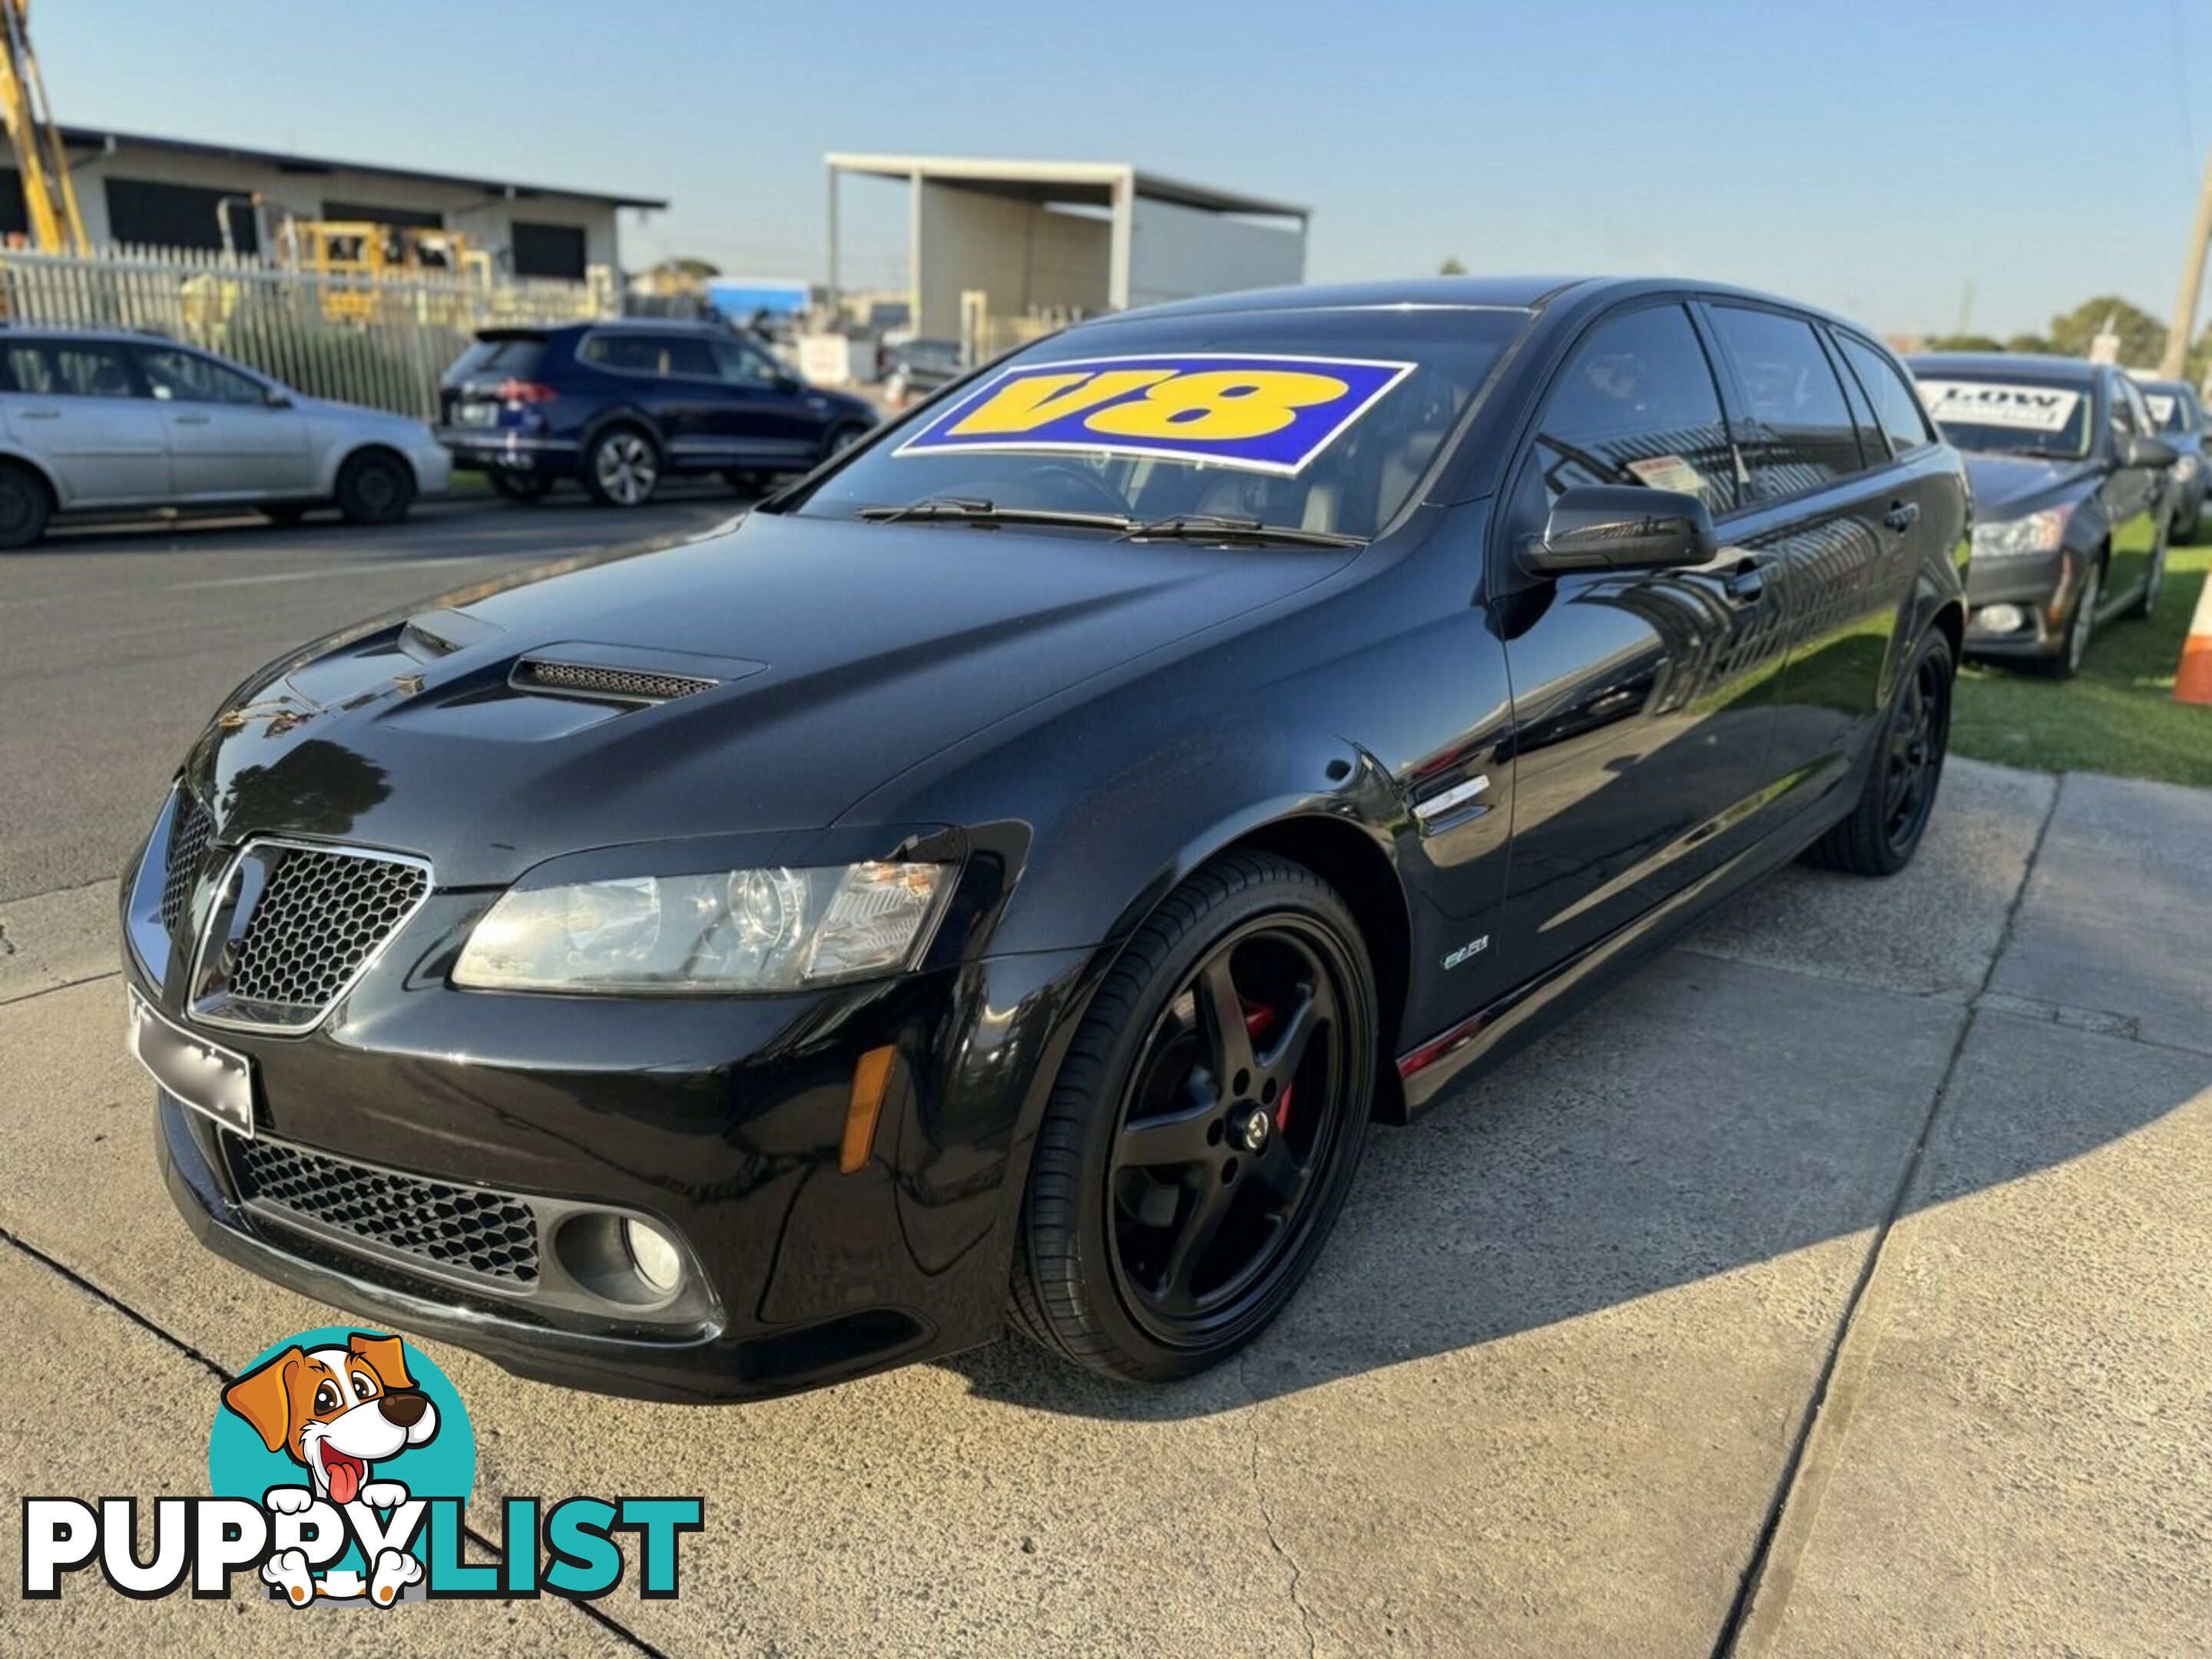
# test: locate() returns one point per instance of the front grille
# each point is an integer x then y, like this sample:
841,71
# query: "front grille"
622,684
321,916
188,843
457,1230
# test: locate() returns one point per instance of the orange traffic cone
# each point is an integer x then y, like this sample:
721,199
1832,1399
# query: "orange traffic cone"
2193,681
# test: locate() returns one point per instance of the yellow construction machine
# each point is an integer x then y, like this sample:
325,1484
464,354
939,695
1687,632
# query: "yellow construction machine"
42,163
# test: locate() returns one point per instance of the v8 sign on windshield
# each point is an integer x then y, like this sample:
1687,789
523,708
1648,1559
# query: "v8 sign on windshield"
1266,414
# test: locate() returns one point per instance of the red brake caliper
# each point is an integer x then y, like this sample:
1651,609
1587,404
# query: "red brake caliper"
1259,1020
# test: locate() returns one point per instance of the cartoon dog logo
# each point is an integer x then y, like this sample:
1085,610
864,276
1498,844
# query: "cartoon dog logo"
337,1412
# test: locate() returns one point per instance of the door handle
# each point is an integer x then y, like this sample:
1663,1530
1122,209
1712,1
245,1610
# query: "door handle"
192,420
1902,515
1747,581
39,414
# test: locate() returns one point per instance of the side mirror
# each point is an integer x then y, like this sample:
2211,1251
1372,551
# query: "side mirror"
1621,527
2144,450
277,397
790,384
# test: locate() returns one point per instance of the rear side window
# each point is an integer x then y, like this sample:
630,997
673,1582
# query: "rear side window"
1896,410
1637,405
71,369
1801,435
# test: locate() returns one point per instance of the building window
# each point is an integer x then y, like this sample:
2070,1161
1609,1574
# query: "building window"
152,215
547,250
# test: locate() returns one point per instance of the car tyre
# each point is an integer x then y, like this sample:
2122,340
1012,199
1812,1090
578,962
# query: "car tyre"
1172,1213
1897,797
523,487
2146,605
2081,627
25,505
375,486
622,467
2189,523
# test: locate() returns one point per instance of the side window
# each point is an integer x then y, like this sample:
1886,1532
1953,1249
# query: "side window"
636,354
1804,436
90,370
187,377
1895,409
29,369
1637,405
687,354
2138,411
2120,411
744,365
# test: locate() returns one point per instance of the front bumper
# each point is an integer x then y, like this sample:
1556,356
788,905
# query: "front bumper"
719,1119
2043,589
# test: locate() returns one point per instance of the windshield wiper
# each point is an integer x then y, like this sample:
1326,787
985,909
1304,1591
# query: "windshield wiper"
975,509
1215,527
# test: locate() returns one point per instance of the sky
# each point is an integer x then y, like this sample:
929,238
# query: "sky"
1876,158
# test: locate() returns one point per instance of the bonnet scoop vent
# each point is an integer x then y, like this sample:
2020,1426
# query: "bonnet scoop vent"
628,675
577,679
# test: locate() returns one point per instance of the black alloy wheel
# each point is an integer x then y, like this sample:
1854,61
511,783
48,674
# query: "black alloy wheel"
1919,735
1205,1128
1896,794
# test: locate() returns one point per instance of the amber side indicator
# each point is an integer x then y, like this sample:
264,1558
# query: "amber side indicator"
872,1081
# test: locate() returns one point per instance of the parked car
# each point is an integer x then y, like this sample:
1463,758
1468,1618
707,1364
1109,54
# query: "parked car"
118,420
620,405
916,368
2070,499
1010,869
2178,416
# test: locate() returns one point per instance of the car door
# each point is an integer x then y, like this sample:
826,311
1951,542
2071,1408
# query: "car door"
1644,702
1833,528
80,406
2133,496
766,408
228,439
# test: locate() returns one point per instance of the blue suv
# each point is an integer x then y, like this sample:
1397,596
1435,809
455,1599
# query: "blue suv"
620,405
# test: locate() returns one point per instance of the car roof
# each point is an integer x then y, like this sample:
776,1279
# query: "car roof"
2035,364
1526,292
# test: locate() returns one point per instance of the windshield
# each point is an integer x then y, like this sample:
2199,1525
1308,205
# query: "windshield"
2170,410
1318,422
2008,417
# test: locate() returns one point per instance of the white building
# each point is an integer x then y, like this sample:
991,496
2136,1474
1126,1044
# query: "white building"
168,192
1060,238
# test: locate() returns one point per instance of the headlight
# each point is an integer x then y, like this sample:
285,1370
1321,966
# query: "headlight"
741,930
2186,467
2022,538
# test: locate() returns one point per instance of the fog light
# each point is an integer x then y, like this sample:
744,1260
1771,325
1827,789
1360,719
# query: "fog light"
2001,618
654,1254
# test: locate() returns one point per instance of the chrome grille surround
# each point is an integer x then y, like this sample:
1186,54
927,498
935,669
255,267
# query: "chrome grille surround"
294,926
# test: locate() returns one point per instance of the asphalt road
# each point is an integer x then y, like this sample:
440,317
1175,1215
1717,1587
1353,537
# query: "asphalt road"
118,639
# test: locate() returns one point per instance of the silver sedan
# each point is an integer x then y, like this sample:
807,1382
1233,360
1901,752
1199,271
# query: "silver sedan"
91,420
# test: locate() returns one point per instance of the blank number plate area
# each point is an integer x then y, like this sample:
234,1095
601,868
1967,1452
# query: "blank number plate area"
205,1076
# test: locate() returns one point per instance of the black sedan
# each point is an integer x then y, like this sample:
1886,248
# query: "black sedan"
2071,499
1012,869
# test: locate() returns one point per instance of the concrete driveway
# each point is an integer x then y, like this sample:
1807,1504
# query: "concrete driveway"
1843,1285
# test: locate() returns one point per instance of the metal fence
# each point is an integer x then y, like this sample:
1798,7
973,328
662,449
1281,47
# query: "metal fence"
377,340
